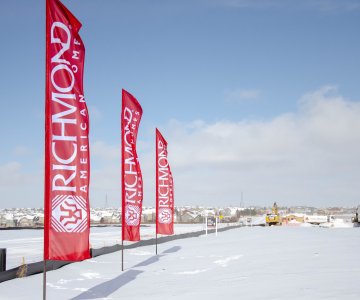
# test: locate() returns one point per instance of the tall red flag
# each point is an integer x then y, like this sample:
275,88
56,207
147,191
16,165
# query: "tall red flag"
67,162
132,186
164,189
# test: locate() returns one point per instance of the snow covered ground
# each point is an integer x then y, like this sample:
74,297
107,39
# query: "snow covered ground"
28,243
246,263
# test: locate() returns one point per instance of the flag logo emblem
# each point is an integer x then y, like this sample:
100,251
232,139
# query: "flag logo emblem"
165,215
69,214
132,215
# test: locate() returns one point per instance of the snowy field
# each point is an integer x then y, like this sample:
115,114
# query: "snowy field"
246,263
28,243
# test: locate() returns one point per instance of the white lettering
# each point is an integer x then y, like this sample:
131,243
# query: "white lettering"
64,44
62,68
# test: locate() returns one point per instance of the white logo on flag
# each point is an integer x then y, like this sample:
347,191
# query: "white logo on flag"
69,214
132,215
165,215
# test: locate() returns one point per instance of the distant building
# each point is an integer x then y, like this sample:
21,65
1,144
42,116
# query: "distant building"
26,221
191,217
293,219
7,220
148,215
95,219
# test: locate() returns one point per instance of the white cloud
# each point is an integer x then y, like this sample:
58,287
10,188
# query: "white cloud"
310,156
306,157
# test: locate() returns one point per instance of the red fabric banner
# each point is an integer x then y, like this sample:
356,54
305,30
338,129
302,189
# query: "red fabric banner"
131,178
164,189
67,161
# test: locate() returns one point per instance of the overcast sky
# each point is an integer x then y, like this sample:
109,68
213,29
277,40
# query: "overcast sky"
259,98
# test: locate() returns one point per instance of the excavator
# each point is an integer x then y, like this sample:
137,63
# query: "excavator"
273,218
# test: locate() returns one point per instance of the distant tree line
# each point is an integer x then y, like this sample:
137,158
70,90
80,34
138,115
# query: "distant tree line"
247,212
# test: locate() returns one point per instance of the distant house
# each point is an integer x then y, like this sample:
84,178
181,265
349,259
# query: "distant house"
191,217
26,221
39,219
293,219
106,217
115,219
231,214
94,219
118,216
7,220
208,213
148,215
334,210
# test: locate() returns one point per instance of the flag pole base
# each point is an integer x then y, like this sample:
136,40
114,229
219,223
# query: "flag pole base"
44,281
122,255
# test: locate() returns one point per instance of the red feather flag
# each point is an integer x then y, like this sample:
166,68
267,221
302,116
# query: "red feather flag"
67,158
132,186
164,189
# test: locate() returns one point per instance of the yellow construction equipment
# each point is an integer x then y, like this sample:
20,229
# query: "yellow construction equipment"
273,218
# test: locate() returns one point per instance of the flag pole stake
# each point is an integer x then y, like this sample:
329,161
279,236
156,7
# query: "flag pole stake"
216,226
156,243
122,255
206,225
44,281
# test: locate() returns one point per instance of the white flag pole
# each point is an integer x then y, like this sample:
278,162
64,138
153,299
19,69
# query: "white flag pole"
216,225
206,225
